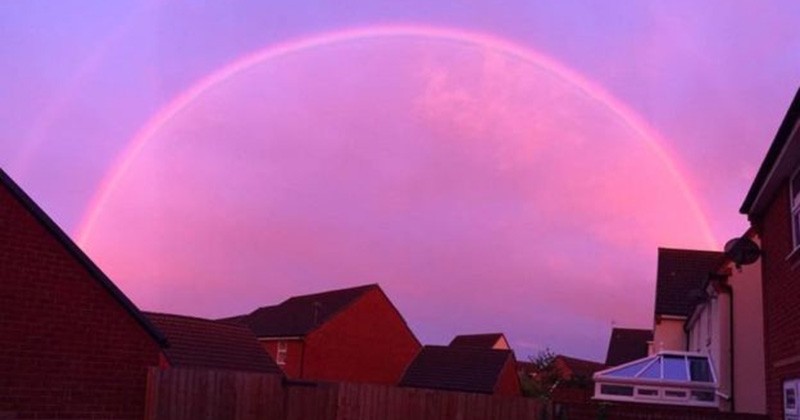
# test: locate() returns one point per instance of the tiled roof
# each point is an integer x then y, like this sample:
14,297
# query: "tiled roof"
465,369
196,342
80,257
580,367
682,272
486,341
627,344
299,315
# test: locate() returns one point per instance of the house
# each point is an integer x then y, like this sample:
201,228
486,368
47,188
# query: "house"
576,383
207,344
772,205
679,281
71,343
727,323
350,335
627,344
489,341
464,369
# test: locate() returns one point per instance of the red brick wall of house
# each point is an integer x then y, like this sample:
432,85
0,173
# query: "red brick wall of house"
67,348
781,294
294,355
367,342
508,384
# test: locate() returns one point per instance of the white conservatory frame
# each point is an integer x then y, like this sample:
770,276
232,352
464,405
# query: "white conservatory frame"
644,381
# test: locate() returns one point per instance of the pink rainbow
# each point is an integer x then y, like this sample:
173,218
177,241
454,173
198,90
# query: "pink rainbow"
589,89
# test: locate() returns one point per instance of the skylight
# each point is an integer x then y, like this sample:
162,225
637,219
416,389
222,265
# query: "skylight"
677,378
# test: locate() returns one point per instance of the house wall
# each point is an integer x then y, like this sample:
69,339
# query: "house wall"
709,333
68,349
749,378
508,382
668,334
294,355
367,342
781,288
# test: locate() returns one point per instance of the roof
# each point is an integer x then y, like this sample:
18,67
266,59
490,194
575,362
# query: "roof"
627,344
197,342
579,367
681,272
781,139
299,315
465,369
477,340
94,271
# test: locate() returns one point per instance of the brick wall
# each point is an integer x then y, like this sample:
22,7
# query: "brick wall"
294,355
67,347
781,293
508,383
367,342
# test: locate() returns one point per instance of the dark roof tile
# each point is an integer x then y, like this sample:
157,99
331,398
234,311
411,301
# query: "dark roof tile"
682,272
197,342
465,369
627,344
299,315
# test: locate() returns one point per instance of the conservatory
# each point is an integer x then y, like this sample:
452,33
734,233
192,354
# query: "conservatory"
669,377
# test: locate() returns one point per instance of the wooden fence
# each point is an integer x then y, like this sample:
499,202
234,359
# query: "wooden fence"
636,411
192,394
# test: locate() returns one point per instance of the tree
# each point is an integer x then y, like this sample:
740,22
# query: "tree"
543,376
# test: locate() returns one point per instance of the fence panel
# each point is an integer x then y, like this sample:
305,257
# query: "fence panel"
196,394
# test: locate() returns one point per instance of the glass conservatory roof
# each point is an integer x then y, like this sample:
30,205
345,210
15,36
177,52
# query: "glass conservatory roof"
665,378
666,366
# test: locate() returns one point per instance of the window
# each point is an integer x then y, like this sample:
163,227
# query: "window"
616,390
790,396
281,354
647,392
795,203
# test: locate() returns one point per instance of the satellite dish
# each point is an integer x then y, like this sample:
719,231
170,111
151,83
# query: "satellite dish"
742,251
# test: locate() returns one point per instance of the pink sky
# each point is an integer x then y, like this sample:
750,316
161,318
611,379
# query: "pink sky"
474,176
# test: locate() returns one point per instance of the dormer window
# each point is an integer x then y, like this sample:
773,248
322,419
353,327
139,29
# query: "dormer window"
795,202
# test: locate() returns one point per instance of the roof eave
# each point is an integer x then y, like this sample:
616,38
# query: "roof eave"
72,248
756,193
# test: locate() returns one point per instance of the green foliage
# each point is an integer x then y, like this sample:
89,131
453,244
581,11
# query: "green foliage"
540,382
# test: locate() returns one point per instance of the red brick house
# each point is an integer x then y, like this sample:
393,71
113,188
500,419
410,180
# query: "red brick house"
71,344
773,206
464,369
203,343
351,335
576,384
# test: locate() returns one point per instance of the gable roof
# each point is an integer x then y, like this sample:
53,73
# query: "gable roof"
575,367
486,341
680,272
197,342
299,315
465,369
75,252
772,159
627,344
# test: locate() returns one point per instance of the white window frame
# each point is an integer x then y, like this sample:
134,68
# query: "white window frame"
280,354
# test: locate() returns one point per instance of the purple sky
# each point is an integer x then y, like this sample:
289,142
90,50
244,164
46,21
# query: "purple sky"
494,168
